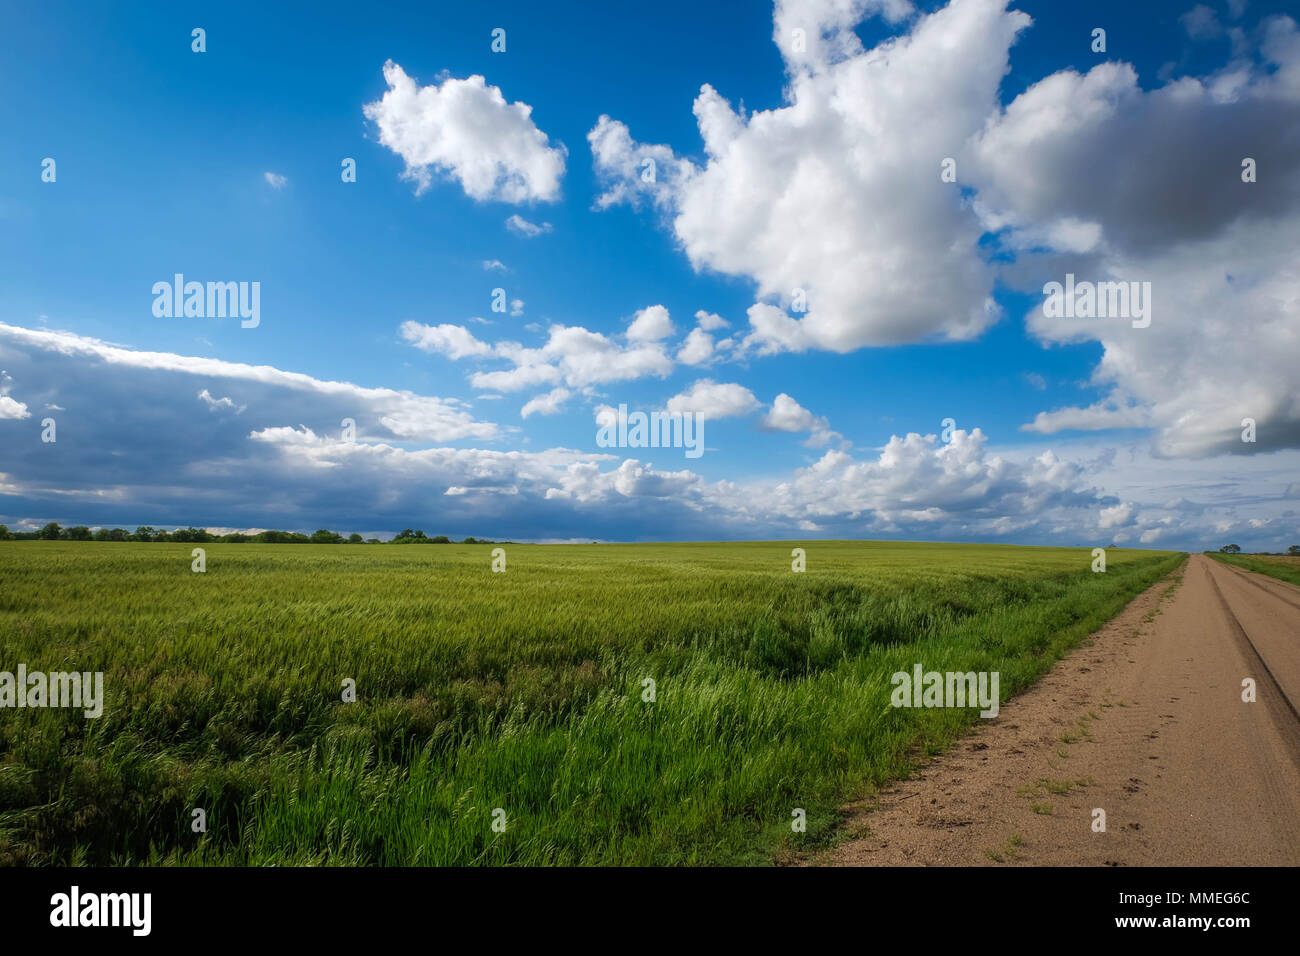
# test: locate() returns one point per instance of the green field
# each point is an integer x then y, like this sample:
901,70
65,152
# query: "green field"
1281,566
519,690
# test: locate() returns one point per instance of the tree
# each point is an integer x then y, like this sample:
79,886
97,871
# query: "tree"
1231,549
50,532
1294,549
4,533
281,537
325,536
79,533
355,538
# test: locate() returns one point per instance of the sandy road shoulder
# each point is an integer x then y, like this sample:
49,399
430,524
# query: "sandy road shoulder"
1143,721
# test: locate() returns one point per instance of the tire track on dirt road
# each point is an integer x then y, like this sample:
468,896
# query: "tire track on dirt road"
1279,645
1145,720
1289,593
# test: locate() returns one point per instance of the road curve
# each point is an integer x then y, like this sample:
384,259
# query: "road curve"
1146,722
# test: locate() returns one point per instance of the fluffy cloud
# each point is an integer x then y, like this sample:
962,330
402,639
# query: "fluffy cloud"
631,171
465,129
453,341
833,204
1082,172
584,482
10,407
1222,345
650,325
710,321
697,349
772,331
572,355
577,357
709,399
1240,293
1117,516
1096,148
548,404
787,415
811,33
950,488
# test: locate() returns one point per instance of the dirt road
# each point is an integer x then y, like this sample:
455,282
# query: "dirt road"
1145,721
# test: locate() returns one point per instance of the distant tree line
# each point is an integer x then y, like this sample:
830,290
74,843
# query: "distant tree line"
407,536
1293,551
53,532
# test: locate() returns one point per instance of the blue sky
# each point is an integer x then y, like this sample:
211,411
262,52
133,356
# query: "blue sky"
225,166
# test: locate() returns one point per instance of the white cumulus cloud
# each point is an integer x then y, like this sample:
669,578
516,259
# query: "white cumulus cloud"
709,399
832,204
467,131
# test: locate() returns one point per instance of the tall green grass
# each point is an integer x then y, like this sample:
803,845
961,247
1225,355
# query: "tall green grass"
520,691
1280,566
